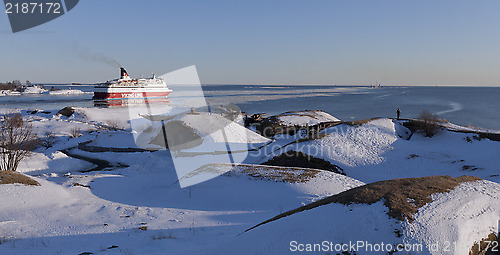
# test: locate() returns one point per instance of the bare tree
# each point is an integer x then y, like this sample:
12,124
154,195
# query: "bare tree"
75,132
429,123
17,141
18,85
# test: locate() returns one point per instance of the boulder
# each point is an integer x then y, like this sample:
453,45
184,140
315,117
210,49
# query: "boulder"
66,111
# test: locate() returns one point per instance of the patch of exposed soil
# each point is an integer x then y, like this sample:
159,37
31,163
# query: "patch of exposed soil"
10,177
403,197
260,172
288,175
300,159
357,123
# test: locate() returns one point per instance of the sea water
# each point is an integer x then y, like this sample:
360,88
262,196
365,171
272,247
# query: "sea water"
476,106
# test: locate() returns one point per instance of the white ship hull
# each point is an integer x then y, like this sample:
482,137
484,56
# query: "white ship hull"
127,88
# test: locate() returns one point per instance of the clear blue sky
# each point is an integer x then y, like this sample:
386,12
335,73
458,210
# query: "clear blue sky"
395,42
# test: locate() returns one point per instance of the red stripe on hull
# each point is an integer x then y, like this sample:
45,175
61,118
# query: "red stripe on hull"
126,95
131,101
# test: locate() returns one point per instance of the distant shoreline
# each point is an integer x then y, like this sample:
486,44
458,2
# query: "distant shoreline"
312,85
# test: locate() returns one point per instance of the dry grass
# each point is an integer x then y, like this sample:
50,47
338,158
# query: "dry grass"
278,174
310,137
10,177
398,192
403,197
356,123
161,236
258,172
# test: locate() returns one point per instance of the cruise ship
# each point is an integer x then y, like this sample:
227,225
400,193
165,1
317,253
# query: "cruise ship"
128,88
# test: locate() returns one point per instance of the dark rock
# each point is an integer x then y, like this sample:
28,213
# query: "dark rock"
66,111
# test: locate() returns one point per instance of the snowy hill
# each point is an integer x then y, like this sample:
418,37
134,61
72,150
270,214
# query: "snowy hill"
133,203
208,126
431,215
379,150
78,213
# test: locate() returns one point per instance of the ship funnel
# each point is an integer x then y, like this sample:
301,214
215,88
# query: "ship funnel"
123,73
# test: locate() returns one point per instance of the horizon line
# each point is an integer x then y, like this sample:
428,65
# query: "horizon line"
299,84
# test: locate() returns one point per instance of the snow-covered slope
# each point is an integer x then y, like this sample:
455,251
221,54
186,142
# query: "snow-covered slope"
354,146
457,219
55,162
450,224
118,117
137,207
76,213
208,126
379,150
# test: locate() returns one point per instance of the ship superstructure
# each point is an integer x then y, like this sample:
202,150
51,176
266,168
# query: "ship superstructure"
126,87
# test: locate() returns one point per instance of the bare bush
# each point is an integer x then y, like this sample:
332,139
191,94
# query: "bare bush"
113,125
75,132
428,123
48,140
17,141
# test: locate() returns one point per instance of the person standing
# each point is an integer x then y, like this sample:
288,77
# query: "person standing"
398,112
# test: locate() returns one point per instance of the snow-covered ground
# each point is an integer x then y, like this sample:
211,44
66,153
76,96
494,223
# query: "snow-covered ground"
375,151
457,219
36,89
141,209
451,224
135,205
68,92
